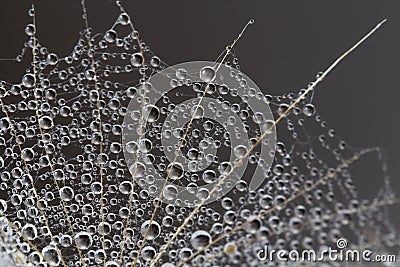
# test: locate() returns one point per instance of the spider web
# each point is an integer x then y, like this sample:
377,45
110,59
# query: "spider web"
67,197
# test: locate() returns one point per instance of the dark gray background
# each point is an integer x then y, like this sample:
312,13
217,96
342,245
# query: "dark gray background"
290,42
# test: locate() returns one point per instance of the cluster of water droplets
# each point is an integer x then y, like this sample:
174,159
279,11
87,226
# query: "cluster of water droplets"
70,197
